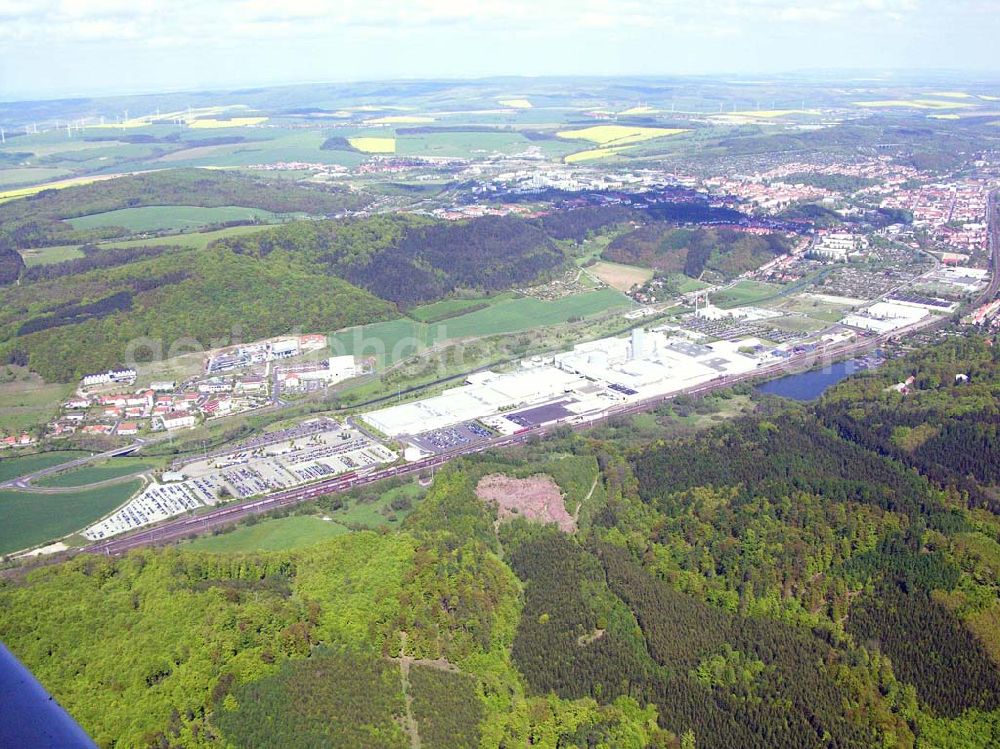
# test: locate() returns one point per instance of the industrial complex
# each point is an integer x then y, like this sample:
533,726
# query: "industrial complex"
579,383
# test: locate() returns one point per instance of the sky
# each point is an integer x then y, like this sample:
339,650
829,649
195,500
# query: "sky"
51,48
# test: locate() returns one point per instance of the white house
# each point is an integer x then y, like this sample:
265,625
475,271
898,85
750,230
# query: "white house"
178,420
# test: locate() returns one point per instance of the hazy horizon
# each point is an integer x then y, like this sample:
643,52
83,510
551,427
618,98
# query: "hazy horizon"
60,48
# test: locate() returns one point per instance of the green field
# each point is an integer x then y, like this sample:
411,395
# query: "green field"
91,474
29,175
745,292
170,217
277,534
47,255
399,339
281,145
525,313
817,309
377,513
11,468
388,342
28,403
798,324
282,534
197,240
32,518
686,284
446,308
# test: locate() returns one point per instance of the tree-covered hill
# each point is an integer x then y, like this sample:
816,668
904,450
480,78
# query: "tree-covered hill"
945,424
692,251
410,260
171,304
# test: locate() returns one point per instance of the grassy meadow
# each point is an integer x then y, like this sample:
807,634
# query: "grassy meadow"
275,534
171,217
399,339
18,465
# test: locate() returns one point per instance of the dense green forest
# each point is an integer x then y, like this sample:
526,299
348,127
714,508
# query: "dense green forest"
671,249
11,264
170,303
578,223
783,579
411,260
946,425
333,699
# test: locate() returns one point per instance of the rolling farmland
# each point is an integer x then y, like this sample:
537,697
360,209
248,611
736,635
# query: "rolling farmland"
618,135
612,139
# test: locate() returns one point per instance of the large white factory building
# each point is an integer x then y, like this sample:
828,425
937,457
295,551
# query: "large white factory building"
588,379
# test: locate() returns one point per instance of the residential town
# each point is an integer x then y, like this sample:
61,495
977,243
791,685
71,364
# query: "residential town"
236,379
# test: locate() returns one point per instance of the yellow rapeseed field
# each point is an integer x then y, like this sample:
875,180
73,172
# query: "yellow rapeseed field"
23,192
374,145
618,135
595,153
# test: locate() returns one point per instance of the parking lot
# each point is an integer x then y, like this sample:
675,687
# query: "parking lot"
157,502
284,465
736,329
462,435
276,461
299,431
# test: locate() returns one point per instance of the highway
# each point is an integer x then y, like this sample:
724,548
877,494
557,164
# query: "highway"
181,527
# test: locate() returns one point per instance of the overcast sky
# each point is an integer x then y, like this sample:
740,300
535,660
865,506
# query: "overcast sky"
60,47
